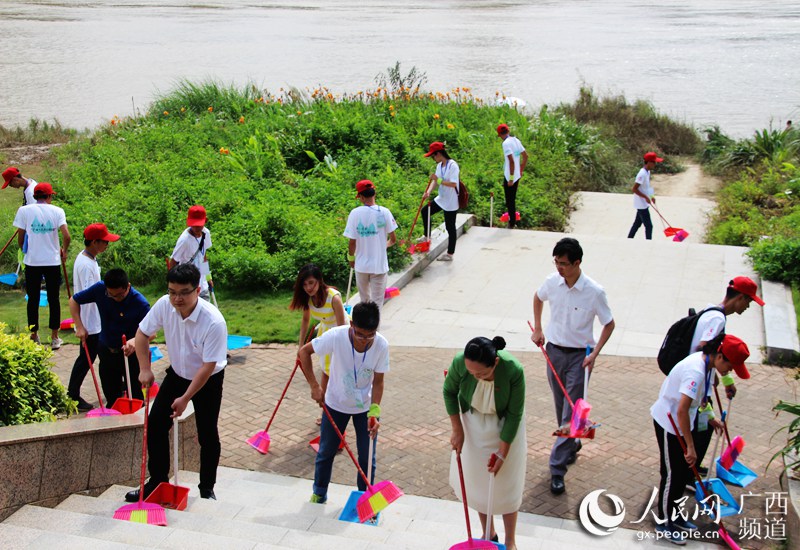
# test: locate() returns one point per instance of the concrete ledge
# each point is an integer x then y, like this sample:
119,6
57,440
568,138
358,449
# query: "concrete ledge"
792,487
421,261
46,462
780,323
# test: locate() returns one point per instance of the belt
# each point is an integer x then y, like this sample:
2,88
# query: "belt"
568,350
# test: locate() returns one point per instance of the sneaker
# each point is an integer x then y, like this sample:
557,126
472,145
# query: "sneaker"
83,405
668,532
684,525
56,343
316,499
445,258
35,338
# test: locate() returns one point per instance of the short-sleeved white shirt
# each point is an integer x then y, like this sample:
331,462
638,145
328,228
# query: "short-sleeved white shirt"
688,377
85,273
643,179
200,338
572,310
351,373
186,247
370,226
709,326
41,223
512,146
28,194
447,198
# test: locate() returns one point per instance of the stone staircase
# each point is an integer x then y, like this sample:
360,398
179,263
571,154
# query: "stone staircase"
264,511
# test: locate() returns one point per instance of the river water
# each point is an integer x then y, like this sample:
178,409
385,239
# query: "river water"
728,62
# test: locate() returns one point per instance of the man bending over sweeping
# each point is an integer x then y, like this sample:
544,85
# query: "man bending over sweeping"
359,359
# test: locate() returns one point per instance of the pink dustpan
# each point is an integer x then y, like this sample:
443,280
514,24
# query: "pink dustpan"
102,411
260,442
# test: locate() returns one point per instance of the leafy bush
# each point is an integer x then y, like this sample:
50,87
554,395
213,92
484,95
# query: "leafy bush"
776,259
29,390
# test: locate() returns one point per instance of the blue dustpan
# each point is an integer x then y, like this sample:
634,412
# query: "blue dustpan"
238,342
739,474
155,354
42,298
9,279
350,513
728,502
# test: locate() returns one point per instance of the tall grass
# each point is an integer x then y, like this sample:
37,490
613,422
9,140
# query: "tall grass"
37,132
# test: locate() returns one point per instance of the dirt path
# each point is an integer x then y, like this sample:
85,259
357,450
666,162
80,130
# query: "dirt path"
692,182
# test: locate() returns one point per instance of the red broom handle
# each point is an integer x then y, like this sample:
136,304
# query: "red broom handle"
144,446
725,422
346,446
9,242
66,279
417,216
464,494
555,374
94,376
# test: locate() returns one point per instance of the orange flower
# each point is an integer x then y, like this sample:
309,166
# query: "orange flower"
224,151
241,120
183,109
211,109
166,113
114,122
436,116
450,126
299,113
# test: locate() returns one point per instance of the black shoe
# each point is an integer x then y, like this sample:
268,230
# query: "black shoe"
83,405
133,496
208,493
557,485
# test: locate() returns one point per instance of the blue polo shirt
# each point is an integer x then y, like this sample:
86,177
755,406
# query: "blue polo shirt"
116,318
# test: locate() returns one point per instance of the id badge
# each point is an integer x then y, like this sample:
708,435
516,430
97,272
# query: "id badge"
702,420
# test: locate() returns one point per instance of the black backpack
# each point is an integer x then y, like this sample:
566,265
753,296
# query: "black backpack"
678,340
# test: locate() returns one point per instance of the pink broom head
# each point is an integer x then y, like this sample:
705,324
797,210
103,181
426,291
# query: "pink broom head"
142,512
731,454
392,291
580,417
260,442
680,235
376,498
102,411
724,535
474,544
67,324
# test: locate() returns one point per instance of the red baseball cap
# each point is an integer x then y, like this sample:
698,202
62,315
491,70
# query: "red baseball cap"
43,189
502,129
197,216
435,147
99,232
735,351
746,286
9,174
652,157
363,185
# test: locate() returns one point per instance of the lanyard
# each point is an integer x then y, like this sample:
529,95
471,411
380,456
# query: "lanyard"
444,169
353,349
704,401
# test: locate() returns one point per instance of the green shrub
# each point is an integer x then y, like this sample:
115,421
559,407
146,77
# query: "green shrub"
776,259
29,390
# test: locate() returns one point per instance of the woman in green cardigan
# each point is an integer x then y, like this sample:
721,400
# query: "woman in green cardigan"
484,394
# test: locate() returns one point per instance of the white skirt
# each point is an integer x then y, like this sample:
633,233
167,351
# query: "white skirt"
481,439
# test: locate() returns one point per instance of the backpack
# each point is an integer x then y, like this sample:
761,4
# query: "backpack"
678,340
463,195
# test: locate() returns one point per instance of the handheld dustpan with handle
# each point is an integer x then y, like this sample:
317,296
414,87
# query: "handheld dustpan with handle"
413,247
723,503
127,405
729,469
350,510
676,233
171,495
470,543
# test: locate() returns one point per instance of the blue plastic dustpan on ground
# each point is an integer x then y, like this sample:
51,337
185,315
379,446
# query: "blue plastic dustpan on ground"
350,513
739,474
155,354
728,503
9,279
238,342
42,298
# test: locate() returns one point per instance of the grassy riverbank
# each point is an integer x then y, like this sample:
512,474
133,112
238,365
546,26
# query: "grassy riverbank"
276,172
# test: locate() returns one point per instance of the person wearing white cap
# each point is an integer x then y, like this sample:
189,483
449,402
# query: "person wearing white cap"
643,197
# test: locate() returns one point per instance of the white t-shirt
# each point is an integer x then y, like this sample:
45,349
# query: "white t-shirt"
709,325
643,179
185,249
41,223
687,378
200,338
351,374
85,273
572,310
447,198
512,146
28,194
370,226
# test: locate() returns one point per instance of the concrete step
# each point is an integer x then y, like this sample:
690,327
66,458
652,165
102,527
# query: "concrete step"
14,537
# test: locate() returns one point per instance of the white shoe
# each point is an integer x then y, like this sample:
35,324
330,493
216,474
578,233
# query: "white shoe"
445,258
56,343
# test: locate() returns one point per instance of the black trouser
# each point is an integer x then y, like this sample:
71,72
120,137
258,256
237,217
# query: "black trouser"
642,218
449,223
702,440
33,287
510,192
81,366
112,374
206,402
675,472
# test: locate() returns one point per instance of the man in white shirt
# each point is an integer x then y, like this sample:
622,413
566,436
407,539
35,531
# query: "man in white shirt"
515,158
192,246
197,343
13,178
40,224
575,300
370,229
85,273
359,360
643,197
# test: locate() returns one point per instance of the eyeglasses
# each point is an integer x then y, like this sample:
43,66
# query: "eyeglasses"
182,294
562,264
118,296
366,338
